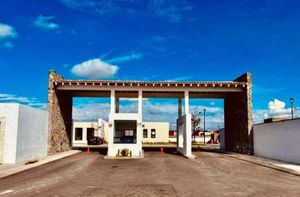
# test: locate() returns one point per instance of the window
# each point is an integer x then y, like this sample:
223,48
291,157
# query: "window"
129,133
90,133
145,133
78,133
153,133
125,131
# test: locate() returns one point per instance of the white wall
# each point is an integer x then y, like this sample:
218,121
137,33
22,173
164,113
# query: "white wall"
278,140
162,131
11,114
32,133
26,132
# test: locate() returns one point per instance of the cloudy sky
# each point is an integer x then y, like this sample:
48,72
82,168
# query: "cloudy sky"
181,40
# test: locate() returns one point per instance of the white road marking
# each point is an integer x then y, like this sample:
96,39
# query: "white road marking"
6,192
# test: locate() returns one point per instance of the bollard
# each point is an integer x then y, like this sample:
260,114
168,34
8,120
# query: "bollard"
88,151
161,151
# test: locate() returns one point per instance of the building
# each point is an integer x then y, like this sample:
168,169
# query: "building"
153,132
23,133
125,129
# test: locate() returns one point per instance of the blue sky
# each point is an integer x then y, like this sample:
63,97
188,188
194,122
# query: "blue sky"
152,40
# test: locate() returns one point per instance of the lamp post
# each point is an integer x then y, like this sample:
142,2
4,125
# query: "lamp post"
204,110
292,107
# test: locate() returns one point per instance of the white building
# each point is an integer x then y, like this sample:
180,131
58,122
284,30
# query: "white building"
23,133
153,132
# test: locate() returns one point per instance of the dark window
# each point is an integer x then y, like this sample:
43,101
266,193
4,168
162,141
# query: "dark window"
90,133
145,133
153,133
78,133
125,131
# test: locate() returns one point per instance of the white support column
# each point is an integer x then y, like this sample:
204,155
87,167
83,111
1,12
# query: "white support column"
117,104
112,102
186,102
140,102
179,108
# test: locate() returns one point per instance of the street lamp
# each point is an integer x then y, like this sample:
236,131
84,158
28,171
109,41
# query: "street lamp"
292,106
204,110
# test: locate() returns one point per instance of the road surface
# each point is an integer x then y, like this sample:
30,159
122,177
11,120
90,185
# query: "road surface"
212,174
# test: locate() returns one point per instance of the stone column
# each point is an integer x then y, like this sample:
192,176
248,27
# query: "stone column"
238,118
59,118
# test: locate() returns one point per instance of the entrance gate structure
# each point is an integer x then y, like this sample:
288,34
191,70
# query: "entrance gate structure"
237,95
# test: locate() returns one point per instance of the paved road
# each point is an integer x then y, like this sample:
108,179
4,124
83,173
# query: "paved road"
212,174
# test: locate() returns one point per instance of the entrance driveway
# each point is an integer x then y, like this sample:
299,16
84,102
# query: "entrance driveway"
212,174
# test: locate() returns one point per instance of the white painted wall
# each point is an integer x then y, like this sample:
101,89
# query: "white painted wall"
162,131
11,114
32,133
278,140
26,132
184,145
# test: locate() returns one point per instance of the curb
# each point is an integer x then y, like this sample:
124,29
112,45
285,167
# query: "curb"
264,164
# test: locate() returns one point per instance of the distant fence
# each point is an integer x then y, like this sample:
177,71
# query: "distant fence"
278,140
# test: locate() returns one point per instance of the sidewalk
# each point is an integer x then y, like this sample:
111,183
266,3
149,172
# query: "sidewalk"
10,169
270,163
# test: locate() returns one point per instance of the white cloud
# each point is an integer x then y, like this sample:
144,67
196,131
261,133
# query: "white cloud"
7,31
95,69
277,109
183,78
276,106
173,11
125,58
45,22
10,98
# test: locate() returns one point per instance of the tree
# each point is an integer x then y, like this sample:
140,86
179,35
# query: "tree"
195,122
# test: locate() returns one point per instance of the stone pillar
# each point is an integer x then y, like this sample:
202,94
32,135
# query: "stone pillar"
60,117
238,118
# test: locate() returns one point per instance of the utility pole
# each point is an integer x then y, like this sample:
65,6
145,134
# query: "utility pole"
292,107
204,110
